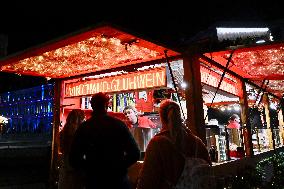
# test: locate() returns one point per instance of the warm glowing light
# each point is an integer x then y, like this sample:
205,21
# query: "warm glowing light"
3,120
183,85
274,86
260,41
258,64
212,78
132,81
90,55
261,63
234,33
238,30
272,106
237,108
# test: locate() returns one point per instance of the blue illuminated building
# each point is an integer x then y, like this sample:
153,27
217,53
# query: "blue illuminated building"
28,110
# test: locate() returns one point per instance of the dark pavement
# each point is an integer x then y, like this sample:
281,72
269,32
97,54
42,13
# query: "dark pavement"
24,165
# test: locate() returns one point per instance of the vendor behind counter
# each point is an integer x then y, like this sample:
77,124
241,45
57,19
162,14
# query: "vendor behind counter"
140,126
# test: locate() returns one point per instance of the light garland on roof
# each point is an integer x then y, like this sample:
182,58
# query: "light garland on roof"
260,63
274,86
90,55
232,107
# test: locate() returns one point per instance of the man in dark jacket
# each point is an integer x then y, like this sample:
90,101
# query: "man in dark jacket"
104,148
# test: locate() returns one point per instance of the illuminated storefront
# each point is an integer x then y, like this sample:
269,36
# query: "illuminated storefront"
143,89
221,97
262,93
126,85
98,52
134,71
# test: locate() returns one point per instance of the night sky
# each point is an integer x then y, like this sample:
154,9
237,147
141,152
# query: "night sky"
31,23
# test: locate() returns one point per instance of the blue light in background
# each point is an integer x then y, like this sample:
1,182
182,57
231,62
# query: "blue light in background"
32,112
42,92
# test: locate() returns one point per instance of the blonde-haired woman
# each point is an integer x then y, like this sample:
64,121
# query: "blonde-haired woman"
68,177
163,164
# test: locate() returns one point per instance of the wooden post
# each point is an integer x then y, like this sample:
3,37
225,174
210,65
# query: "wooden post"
268,123
245,122
53,177
193,95
281,124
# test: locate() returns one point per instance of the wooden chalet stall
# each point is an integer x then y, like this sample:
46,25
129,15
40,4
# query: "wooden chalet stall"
103,58
106,58
260,68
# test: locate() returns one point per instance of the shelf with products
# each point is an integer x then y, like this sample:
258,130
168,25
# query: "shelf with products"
221,141
215,137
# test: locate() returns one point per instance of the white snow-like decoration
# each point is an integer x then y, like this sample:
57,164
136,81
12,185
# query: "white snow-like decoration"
235,33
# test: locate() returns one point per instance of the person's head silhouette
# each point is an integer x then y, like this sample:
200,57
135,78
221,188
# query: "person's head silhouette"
99,102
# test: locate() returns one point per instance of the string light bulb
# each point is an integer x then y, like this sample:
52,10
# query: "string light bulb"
90,55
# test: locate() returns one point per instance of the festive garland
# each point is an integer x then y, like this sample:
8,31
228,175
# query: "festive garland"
271,171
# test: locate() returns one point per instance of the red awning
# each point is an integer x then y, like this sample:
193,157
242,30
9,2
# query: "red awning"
97,49
257,63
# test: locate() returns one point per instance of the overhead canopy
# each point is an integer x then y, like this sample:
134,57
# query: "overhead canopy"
96,49
257,63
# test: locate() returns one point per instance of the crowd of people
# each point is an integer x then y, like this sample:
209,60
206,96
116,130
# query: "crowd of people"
98,152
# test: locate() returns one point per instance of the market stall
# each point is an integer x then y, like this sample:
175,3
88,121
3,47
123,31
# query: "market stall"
259,67
104,58
131,88
135,71
216,97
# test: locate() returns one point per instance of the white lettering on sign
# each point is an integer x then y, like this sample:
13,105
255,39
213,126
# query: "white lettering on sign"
212,79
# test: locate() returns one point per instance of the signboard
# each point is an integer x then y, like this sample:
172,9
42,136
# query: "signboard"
212,78
150,78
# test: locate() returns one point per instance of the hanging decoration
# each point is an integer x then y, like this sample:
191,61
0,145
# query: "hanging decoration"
90,55
257,63
274,86
260,63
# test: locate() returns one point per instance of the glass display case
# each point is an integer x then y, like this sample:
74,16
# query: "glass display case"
215,138
277,138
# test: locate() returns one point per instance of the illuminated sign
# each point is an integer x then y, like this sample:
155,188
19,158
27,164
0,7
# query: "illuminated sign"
135,80
212,78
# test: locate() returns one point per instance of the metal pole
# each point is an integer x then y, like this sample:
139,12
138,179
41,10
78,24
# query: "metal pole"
220,82
174,83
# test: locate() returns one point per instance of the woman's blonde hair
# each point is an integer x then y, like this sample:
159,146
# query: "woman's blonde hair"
74,119
170,115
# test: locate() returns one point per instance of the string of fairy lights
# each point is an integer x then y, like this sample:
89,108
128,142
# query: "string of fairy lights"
90,55
264,62
233,107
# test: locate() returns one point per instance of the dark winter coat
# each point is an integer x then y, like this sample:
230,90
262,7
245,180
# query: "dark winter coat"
104,148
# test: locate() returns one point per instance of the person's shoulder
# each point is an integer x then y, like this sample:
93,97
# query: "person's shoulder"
110,117
198,141
160,137
83,126
191,136
194,137
156,142
161,143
